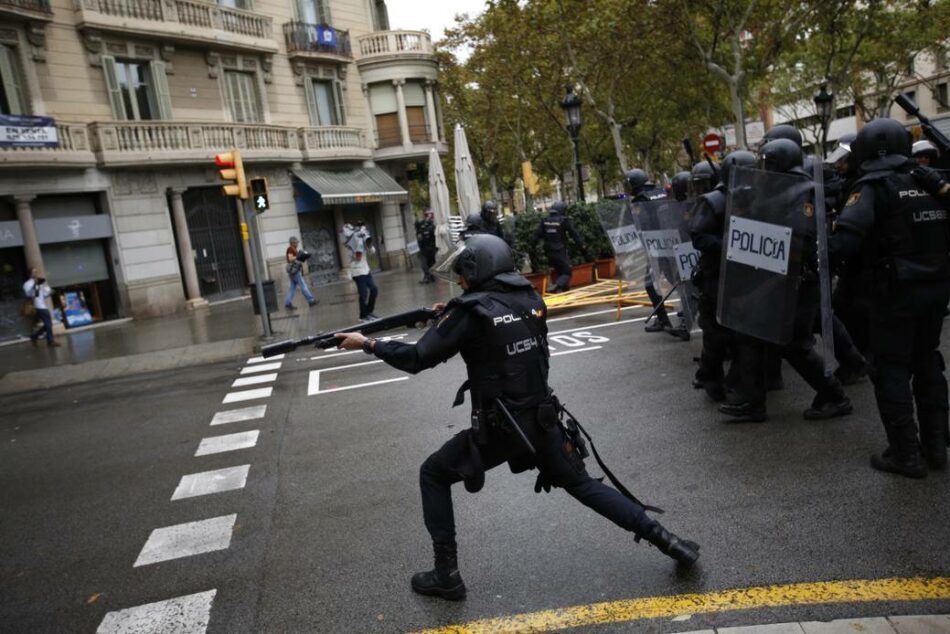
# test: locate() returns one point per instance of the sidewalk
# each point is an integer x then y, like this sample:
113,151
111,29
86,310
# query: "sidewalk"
218,333
924,624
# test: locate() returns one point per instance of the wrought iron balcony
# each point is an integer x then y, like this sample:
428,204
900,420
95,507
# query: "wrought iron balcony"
187,21
317,41
395,45
73,150
30,9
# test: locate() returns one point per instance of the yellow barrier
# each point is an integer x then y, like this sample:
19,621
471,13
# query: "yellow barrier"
617,292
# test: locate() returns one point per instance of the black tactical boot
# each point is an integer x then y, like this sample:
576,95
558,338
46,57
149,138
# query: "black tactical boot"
683,551
444,580
745,412
829,408
910,466
660,323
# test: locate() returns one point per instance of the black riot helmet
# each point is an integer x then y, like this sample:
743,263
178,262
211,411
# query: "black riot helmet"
480,258
474,224
780,155
740,158
558,208
702,179
489,211
880,145
635,179
782,131
679,185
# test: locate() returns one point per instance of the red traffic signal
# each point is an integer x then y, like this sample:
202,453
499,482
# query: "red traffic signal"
233,171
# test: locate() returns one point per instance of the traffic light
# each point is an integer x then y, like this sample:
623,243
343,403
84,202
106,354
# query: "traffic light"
259,196
232,170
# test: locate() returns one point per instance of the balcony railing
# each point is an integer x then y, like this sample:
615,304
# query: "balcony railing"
29,6
302,37
334,142
171,14
73,149
389,43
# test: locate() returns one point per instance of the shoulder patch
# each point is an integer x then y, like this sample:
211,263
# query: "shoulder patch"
853,199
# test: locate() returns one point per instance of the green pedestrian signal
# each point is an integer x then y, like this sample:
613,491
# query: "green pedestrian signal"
259,195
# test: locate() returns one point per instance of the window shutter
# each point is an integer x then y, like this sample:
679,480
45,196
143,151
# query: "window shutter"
11,81
112,86
311,102
162,96
340,104
324,6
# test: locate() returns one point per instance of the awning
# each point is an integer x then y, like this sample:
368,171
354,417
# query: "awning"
361,185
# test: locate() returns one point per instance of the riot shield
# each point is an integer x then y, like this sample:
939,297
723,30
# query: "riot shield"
664,233
769,222
617,220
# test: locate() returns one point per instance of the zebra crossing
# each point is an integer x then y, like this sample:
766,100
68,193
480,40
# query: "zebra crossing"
190,614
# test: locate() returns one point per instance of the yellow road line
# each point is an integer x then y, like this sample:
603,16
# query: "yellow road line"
855,591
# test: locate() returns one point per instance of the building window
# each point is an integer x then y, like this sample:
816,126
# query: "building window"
383,102
380,15
12,97
912,95
417,114
940,96
236,4
314,11
844,112
138,91
325,102
242,96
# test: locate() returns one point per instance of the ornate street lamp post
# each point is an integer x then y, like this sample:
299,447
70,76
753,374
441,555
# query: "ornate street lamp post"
824,107
572,107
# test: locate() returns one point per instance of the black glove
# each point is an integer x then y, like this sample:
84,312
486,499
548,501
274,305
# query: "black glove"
542,483
931,180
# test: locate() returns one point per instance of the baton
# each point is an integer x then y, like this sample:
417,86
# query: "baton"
660,304
513,423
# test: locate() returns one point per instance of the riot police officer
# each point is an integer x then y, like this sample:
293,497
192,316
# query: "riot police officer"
782,131
641,189
425,238
498,326
902,232
679,186
554,231
925,153
490,224
783,155
706,229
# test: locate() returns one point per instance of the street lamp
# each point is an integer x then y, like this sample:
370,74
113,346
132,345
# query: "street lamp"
572,107
824,106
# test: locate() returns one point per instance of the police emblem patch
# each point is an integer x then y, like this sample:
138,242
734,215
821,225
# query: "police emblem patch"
853,199
809,210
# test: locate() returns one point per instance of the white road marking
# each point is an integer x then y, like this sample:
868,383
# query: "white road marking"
254,380
276,357
329,354
248,395
185,540
208,482
555,354
182,615
263,367
338,354
228,442
236,415
313,384
607,325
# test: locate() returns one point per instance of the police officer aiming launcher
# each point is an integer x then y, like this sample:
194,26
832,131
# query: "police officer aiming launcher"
498,326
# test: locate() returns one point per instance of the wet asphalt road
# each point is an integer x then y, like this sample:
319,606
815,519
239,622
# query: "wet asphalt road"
329,526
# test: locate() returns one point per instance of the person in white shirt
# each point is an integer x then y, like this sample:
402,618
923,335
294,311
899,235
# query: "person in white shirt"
37,289
360,272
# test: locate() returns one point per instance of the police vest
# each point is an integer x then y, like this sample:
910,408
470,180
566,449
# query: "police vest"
511,360
910,227
425,233
554,233
657,193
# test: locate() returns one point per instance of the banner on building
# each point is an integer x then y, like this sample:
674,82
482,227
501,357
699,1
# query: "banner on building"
18,131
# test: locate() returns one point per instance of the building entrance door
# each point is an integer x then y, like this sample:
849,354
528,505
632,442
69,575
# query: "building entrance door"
216,241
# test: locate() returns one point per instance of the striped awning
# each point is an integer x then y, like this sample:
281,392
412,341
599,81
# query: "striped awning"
355,186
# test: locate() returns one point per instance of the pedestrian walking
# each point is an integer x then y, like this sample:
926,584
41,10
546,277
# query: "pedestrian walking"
498,326
37,290
295,259
365,285
425,238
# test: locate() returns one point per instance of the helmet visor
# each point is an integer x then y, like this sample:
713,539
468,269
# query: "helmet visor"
840,152
445,270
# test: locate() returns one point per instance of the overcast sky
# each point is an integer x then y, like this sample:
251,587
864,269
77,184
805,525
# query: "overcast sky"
433,15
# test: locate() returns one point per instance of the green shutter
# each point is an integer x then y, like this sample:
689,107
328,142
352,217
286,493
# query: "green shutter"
163,98
11,81
113,88
340,108
311,102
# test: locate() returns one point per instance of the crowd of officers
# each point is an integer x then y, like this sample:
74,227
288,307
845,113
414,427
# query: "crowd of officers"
889,251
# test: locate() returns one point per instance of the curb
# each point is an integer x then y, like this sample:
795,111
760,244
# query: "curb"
60,375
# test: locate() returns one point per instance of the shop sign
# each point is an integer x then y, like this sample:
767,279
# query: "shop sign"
73,228
17,131
10,235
